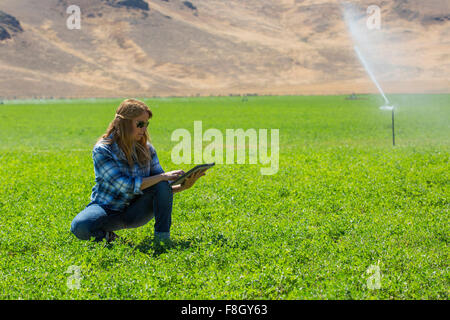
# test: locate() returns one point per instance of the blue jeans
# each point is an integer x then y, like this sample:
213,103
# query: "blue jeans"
95,221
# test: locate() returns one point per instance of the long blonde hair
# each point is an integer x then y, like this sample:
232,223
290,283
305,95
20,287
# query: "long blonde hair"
122,126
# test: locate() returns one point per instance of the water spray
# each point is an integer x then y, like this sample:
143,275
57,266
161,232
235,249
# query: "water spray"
387,105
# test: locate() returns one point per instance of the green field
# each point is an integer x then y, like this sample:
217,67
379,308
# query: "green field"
343,201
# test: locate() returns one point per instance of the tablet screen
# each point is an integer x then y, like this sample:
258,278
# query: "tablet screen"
200,167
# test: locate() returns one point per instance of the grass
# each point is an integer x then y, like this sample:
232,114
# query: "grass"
343,200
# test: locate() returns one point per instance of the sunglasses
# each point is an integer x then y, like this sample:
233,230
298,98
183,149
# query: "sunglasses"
142,124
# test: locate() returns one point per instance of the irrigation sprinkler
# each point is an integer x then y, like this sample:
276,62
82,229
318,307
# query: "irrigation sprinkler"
387,105
393,128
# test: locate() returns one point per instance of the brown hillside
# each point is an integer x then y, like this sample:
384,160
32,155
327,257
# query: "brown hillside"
173,47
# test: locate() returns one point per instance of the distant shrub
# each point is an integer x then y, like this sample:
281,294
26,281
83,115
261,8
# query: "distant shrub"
190,5
138,4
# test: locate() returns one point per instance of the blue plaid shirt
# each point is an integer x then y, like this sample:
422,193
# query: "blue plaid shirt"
116,183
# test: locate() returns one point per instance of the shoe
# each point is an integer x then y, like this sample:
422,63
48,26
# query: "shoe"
111,236
163,238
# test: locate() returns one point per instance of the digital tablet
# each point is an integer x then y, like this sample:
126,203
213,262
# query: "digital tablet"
200,167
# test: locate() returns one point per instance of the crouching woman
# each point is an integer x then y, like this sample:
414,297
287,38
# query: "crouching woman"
130,185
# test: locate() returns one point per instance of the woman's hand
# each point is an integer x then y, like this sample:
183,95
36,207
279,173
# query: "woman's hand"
189,182
171,175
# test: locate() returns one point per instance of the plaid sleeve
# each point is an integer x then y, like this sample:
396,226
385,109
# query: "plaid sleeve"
155,166
108,170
